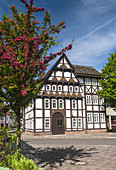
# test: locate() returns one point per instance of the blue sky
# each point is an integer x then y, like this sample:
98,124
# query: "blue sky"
91,22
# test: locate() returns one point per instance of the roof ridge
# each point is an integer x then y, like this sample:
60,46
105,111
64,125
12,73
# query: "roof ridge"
82,65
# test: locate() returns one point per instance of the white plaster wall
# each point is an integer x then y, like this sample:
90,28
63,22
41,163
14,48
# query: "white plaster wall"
83,103
50,78
39,123
67,66
65,88
68,114
73,75
96,125
67,79
83,113
75,79
59,73
79,104
95,108
43,87
52,74
65,62
38,113
39,130
74,113
90,126
89,108
68,123
47,113
67,104
59,65
84,123
79,112
103,125
67,74
38,103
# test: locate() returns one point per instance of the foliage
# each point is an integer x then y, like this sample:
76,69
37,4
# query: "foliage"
19,162
24,46
108,81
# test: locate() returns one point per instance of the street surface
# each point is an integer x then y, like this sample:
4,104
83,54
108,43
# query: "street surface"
72,152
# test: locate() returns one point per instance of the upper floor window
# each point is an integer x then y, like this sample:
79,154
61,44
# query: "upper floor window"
96,117
102,117
54,104
74,104
95,99
76,89
53,87
89,117
47,103
88,99
87,81
101,101
74,122
61,104
70,88
48,87
59,87
94,81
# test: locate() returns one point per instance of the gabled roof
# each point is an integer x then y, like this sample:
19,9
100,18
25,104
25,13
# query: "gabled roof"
86,71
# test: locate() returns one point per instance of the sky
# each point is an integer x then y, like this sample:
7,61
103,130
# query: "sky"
91,22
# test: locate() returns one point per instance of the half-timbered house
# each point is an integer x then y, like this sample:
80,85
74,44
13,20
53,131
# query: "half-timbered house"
67,101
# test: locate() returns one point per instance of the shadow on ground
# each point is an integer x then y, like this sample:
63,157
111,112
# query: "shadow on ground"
55,156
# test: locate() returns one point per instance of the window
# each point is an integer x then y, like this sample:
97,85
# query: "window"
61,104
102,108
74,106
94,81
95,99
87,81
60,122
79,123
59,87
74,122
54,88
47,104
54,104
89,117
101,101
96,117
48,87
102,117
88,99
70,88
76,89
47,123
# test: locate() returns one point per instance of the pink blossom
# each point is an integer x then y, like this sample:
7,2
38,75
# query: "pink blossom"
45,68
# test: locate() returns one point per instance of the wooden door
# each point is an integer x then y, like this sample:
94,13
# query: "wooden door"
58,123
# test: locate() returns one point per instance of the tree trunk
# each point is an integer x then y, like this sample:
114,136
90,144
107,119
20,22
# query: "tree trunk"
18,126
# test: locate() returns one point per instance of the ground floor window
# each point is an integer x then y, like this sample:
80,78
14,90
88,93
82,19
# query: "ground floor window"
74,122
47,123
79,123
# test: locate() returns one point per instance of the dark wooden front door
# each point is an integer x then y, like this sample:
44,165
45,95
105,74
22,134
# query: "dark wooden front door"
58,123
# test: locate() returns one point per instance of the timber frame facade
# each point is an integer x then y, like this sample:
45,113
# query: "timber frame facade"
67,101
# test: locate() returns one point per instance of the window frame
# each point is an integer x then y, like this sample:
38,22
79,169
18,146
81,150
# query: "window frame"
74,121
95,99
48,103
48,85
90,116
71,91
94,81
59,86
74,102
79,127
62,104
77,89
55,103
53,87
96,118
45,123
89,99
103,117
87,82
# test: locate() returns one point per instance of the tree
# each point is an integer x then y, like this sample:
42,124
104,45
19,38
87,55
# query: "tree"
24,44
108,81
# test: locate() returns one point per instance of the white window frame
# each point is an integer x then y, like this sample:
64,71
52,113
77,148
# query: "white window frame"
74,122
47,101
80,123
53,87
61,101
102,117
87,81
94,81
90,117
54,101
71,87
47,122
76,89
95,99
60,87
101,101
88,99
74,102
48,89
96,117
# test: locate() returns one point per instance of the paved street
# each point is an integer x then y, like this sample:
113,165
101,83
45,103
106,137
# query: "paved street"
72,152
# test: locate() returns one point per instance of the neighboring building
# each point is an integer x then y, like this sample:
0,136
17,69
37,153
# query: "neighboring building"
111,119
67,102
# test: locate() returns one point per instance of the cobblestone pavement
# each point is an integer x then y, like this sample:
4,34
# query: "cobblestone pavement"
71,157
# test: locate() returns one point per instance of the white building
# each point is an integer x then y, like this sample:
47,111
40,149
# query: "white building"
67,101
